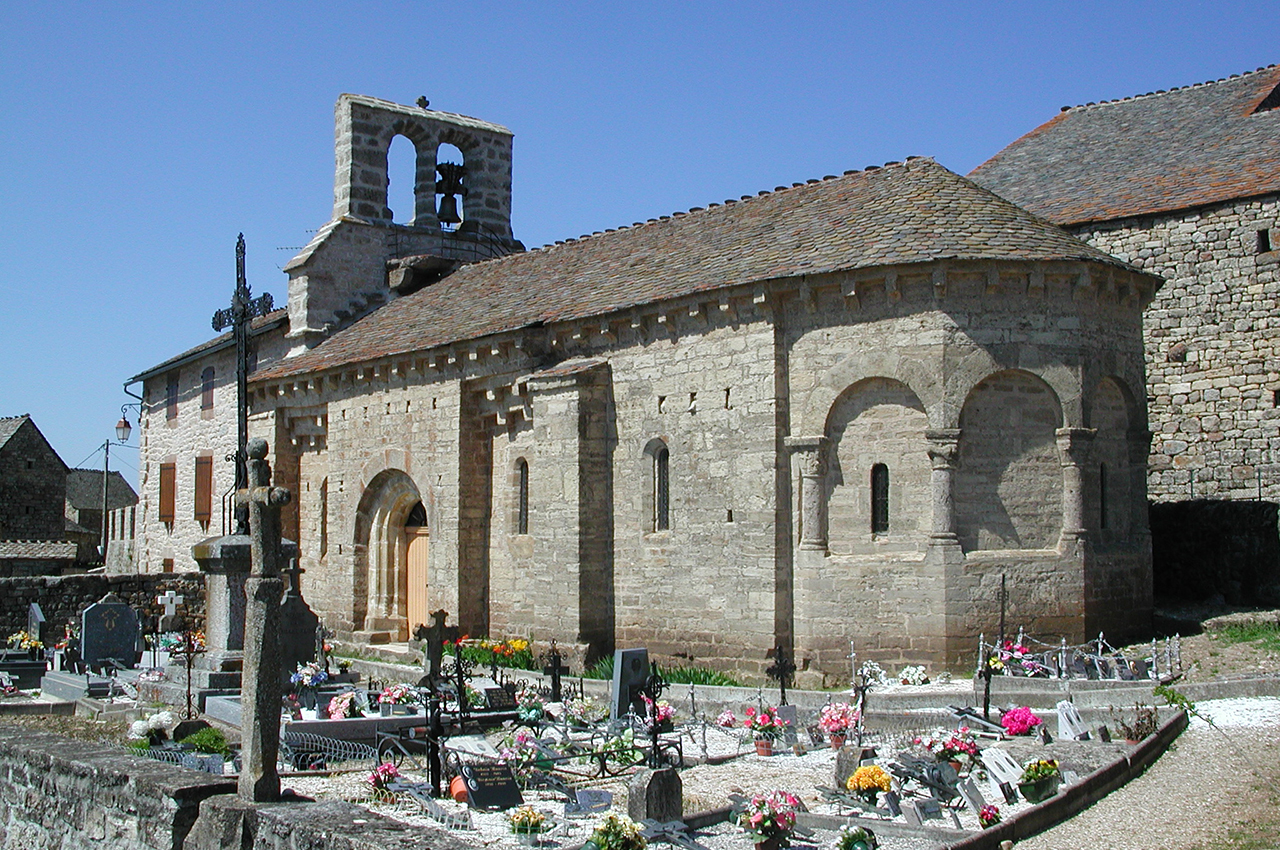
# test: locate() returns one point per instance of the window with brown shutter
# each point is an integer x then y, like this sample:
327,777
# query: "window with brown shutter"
204,490
206,389
168,480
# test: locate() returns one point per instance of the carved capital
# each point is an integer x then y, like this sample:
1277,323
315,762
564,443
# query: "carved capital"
1074,443
944,447
812,452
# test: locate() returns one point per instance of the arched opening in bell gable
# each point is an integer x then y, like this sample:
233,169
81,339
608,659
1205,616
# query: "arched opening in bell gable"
451,186
402,166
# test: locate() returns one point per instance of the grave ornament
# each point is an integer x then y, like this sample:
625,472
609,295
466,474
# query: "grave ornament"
555,669
434,638
782,671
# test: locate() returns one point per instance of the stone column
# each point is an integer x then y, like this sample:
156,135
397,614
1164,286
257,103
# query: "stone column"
944,454
262,681
812,452
1073,449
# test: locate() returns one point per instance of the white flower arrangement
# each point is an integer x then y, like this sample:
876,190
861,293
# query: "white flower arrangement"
913,674
162,721
873,673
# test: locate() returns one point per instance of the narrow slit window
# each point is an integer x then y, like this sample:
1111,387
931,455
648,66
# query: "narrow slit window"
1264,241
171,398
1102,495
661,490
879,499
522,496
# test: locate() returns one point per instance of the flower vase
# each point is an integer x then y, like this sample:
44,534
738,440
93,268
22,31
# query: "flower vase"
458,789
764,747
837,739
529,839
384,709
309,714
307,698
1040,790
955,764
774,843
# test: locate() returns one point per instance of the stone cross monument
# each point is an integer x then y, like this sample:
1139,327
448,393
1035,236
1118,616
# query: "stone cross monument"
261,688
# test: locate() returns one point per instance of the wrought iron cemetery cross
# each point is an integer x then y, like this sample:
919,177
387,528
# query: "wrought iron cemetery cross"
653,689
555,669
782,670
243,310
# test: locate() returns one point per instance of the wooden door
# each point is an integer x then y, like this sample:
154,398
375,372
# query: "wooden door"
417,547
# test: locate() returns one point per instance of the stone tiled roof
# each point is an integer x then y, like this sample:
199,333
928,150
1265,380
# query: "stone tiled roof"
61,550
1152,153
84,489
9,426
256,326
909,212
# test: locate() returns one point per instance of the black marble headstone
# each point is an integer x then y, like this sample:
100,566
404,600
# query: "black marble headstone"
491,785
630,670
109,630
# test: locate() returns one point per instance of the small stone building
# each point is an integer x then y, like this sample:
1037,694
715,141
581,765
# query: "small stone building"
1184,184
838,411
84,514
33,485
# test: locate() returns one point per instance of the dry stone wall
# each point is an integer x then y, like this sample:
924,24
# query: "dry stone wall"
63,598
1213,347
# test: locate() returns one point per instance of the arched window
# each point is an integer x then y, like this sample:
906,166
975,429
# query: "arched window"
451,187
879,498
522,496
206,389
661,489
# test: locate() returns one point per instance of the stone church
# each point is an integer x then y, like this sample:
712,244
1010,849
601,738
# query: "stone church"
837,411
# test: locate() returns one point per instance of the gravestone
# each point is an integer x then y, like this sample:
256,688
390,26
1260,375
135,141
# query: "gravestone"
630,672
590,800
109,630
893,803
972,796
1045,737
168,621
1104,734
926,808
656,795
1070,726
1002,770
35,622
472,745
499,699
298,623
789,715
849,759
491,785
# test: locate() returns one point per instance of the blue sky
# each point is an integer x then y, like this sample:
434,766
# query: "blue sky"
138,139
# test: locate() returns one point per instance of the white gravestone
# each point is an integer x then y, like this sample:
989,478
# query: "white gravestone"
1070,726
1000,768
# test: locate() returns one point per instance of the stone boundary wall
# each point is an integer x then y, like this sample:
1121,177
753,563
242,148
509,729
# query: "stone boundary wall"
63,598
62,794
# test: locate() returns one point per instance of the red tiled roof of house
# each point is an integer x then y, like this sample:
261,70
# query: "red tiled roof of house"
1153,153
909,212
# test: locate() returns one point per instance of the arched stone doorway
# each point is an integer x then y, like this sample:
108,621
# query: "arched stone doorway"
390,508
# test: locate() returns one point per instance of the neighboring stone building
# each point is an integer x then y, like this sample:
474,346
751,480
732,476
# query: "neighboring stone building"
84,514
836,411
187,431
1184,184
33,485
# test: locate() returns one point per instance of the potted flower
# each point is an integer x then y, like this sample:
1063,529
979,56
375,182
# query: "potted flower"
307,680
765,727
913,674
868,782
661,711
856,838
1040,779
527,824
211,750
836,719
960,749
617,832
726,719
344,705
1146,721
395,699
582,713
382,776
770,818
1019,721
988,816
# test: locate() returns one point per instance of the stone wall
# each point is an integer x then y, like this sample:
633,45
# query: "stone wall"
1217,548
60,794
63,598
1213,347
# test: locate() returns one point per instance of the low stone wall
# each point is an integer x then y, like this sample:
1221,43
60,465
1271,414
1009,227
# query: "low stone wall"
63,598
60,794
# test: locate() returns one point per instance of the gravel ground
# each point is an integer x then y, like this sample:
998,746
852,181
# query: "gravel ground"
1210,781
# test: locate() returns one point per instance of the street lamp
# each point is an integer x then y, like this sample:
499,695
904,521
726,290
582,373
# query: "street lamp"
123,430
